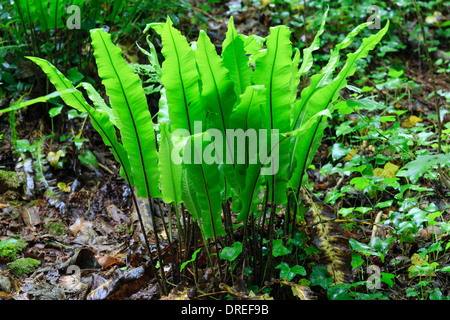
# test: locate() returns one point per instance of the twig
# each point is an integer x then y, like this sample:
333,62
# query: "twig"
105,168
375,226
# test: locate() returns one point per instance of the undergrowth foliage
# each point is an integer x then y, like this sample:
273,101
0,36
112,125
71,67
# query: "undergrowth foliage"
251,87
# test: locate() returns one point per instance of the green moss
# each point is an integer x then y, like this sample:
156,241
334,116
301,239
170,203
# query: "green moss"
10,248
56,228
9,180
23,266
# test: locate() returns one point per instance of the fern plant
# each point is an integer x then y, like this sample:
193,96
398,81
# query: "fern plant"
231,126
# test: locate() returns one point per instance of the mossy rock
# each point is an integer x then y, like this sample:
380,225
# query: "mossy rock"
23,266
9,180
10,248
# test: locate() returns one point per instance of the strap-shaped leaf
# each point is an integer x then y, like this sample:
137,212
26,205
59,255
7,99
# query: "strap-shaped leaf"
22,104
253,175
303,149
321,79
314,99
274,71
217,88
57,12
189,195
235,59
180,79
99,103
100,120
295,79
219,97
170,172
128,101
42,13
101,106
205,179
246,120
26,10
329,92
252,43
307,61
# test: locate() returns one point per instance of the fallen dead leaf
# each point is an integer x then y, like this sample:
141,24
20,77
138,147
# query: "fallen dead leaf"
303,292
4,295
70,282
117,214
107,261
429,231
124,286
388,171
243,295
78,225
411,122
177,295
31,216
417,260
3,205
350,155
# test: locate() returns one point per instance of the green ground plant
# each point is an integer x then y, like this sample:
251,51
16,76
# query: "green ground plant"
10,248
232,96
23,266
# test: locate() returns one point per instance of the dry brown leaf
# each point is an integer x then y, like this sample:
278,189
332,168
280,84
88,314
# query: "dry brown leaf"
388,171
124,286
243,295
411,122
107,261
304,293
417,260
31,216
78,225
6,295
117,214
177,295
3,205
428,232
350,155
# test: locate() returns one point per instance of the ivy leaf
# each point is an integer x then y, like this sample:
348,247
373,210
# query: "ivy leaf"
74,76
387,278
416,168
298,240
289,273
389,170
339,292
338,151
365,249
53,112
436,294
411,122
360,183
319,277
88,159
231,253
279,249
